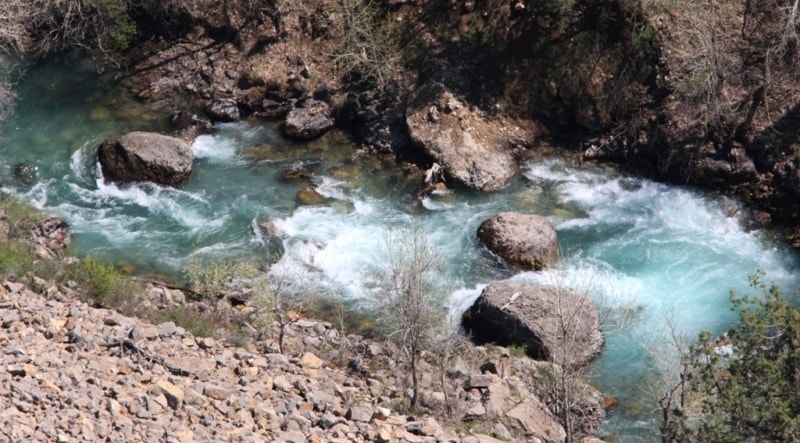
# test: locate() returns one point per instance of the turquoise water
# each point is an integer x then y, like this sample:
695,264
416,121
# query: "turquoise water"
647,249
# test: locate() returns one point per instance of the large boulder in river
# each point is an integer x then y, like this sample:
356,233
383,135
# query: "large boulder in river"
526,241
309,121
146,156
553,323
474,151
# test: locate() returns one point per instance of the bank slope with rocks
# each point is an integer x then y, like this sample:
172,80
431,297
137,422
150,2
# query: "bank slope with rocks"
71,372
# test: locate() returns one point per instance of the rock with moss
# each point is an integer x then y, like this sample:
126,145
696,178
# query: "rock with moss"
146,156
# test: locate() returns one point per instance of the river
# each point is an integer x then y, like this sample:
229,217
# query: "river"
657,249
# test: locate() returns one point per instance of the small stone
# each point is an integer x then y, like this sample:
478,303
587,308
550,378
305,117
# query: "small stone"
329,420
173,393
475,410
144,331
111,320
310,197
478,382
310,361
16,370
384,435
281,383
185,435
361,411
167,329
382,413
206,342
215,392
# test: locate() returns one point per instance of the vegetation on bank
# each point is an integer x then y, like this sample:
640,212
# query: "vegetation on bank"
99,283
743,385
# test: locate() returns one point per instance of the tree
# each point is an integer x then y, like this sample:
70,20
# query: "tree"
408,302
669,388
576,314
746,383
278,298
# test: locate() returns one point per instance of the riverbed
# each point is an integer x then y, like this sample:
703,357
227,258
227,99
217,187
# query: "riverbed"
647,250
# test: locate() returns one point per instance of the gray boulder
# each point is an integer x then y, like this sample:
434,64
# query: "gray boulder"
146,156
553,323
474,151
528,242
309,121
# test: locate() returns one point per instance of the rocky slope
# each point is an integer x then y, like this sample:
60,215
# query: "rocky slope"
71,372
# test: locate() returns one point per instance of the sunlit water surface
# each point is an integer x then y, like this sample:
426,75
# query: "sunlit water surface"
654,249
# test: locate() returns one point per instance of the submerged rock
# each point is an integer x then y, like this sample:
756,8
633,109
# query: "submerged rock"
558,324
26,172
310,196
473,151
146,156
528,242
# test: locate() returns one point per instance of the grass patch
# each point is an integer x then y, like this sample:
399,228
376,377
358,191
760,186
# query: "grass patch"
199,324
103,284
16,260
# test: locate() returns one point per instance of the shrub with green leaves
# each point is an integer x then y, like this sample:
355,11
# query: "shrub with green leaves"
745,385
199,324
210,276
102,283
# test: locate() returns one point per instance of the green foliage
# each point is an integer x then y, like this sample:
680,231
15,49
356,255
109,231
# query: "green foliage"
346,319
16,260
198,324
102,283
121,27
751,393
210,276
518,351
557,7
17,256
18,218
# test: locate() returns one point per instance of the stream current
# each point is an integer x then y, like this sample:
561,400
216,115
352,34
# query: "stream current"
659,249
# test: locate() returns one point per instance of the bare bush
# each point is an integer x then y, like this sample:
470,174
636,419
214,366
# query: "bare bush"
367,49
409,303
565,383
700,57
14,20
279,297
668,389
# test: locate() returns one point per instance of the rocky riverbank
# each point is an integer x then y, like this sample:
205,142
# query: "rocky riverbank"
72,372
618,83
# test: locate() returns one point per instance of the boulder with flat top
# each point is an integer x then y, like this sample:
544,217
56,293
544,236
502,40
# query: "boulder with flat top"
146,156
